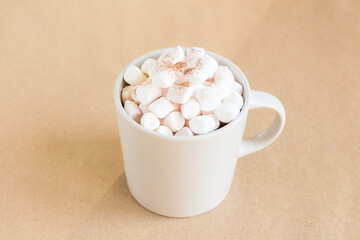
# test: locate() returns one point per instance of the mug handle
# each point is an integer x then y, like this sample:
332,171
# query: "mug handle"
260,99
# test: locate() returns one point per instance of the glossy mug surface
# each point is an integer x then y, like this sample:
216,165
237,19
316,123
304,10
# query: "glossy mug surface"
187,176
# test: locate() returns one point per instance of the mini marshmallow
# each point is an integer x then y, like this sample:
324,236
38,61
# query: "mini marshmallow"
216,120
148,64
209,64
196,76
205,70
134,95
192,62
179,93
224,80
207,99
202,124
195,51
155,67
146,82
147,93
164,78
193,56
175,121
164,130
150,121
238,87
144,108
234,98
133,110
223,73
190,109
227,112
126,93
161,107
222,88
184,132
196,88
134,76
129,92
172,56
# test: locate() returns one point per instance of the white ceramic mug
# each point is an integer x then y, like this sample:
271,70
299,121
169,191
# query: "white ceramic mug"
187,176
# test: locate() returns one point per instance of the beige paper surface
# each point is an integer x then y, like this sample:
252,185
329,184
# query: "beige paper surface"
61,169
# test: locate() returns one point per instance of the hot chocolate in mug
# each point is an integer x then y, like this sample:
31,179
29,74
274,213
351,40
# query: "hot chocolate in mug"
187,176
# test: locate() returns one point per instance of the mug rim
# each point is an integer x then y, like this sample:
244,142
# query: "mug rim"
151,54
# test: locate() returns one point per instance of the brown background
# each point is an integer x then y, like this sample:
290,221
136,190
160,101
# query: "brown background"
61,169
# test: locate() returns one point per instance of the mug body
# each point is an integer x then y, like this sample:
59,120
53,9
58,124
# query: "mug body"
180,176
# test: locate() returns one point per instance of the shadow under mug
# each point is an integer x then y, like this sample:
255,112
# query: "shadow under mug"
187,176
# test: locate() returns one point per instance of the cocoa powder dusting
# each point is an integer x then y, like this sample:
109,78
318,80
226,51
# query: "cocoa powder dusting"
180,66
189,70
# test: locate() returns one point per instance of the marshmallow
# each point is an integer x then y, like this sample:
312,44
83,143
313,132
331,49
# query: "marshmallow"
216,120
172,56
126,93
129,92
179,93
223,73
164,78
234,98
193,56
196,88
203,124
148,64
223,88
175,121
150,121
134,95
146,82
184,132
209,64
207,99
205,70
164,130
192,62
227,112
155,67
195,51
134,76
238,87
144,108
190,109
224,82
161,107
147,93
196,75
133,110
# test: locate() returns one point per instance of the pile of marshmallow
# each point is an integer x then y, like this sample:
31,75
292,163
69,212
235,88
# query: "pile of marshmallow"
181,95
